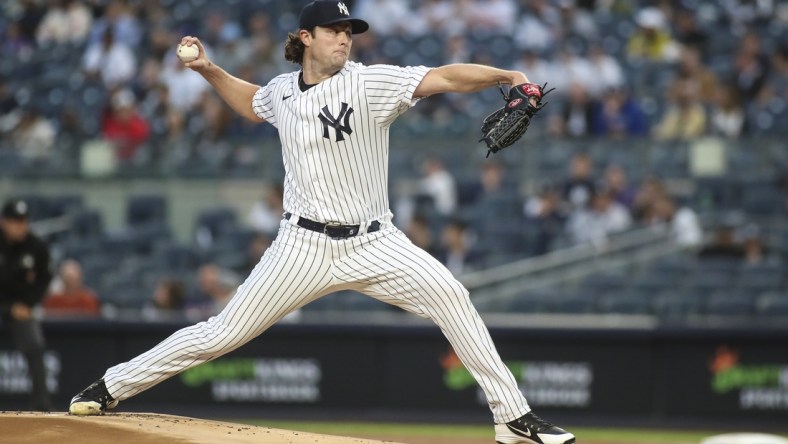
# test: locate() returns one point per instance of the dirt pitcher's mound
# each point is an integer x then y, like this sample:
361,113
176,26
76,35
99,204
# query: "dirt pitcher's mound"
147,428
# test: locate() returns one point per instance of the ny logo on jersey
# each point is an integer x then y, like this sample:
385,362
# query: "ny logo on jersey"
343,8
329,120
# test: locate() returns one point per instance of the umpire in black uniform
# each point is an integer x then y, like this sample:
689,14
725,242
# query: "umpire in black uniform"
24,278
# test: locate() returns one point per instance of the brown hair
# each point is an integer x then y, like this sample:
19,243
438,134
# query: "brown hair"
294,47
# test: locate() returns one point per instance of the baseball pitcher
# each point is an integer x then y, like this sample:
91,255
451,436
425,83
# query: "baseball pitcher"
333,117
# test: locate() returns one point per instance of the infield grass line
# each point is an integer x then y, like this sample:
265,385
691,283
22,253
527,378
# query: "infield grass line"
613,435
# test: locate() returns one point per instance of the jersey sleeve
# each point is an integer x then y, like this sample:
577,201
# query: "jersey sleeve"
390,90
262,103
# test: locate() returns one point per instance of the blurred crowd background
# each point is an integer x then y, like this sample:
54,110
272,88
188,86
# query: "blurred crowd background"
665,113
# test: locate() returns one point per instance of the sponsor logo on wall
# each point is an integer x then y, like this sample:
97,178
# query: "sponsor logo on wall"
760,386
289,380
14,377
545,383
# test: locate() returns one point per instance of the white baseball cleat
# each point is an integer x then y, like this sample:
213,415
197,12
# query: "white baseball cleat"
531,429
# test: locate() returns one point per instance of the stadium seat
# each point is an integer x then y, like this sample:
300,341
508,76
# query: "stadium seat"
729,306
568,303
708,282
772,305
146,209
623,304
674,306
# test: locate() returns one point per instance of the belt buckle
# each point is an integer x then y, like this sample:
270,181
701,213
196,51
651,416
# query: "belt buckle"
330,225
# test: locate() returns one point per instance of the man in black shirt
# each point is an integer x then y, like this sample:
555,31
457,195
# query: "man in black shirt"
24,277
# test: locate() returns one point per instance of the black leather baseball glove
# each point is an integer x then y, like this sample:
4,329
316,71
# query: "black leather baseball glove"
505,126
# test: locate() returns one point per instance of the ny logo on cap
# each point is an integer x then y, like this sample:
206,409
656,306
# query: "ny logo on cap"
343,9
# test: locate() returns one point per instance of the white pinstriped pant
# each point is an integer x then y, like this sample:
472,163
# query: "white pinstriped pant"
303,265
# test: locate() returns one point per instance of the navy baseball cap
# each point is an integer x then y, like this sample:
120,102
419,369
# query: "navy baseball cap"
16,209
328,12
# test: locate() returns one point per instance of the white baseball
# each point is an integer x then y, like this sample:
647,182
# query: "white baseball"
188,53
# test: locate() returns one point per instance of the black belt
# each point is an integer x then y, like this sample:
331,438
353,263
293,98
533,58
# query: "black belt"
334,230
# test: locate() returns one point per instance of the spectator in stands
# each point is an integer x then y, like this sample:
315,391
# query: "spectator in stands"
123,126
111,61
652,41
491,181
750,66
456,251
15,44
577,21
761,114
650,190
687,31
752,244
34,136
491,16
539,69
543,22
580,186
685,118
575,119
744,13
438,16
568,68
619,116
608,72
420,233
386,17
691,67
266,213
616,183
723,244
778,76
727,115
218,30
438,184
118,16
70,295
254,251
682,221
219,285
186,87
66,21
28,18
260,46
9,107
594,223
168,300
544,212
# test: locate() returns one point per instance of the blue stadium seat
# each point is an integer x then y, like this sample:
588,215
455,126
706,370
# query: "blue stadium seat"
675,306
215,223
708,282
568,303
146,209
627,303
729,306
87,223
772,305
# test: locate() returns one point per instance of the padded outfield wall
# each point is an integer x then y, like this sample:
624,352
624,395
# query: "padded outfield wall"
657,374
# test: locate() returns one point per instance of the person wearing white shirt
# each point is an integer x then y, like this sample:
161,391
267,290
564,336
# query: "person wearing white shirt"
114,62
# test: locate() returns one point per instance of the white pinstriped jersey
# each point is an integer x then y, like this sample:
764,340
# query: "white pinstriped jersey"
335,150
335,138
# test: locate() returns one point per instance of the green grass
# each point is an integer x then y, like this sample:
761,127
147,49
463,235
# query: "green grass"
628,436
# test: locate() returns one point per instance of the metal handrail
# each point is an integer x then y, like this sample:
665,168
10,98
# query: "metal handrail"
560,258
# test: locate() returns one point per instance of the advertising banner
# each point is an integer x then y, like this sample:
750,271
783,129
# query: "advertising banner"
651,374
727,378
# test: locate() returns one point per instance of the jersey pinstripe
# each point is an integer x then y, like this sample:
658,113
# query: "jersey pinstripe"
336,170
